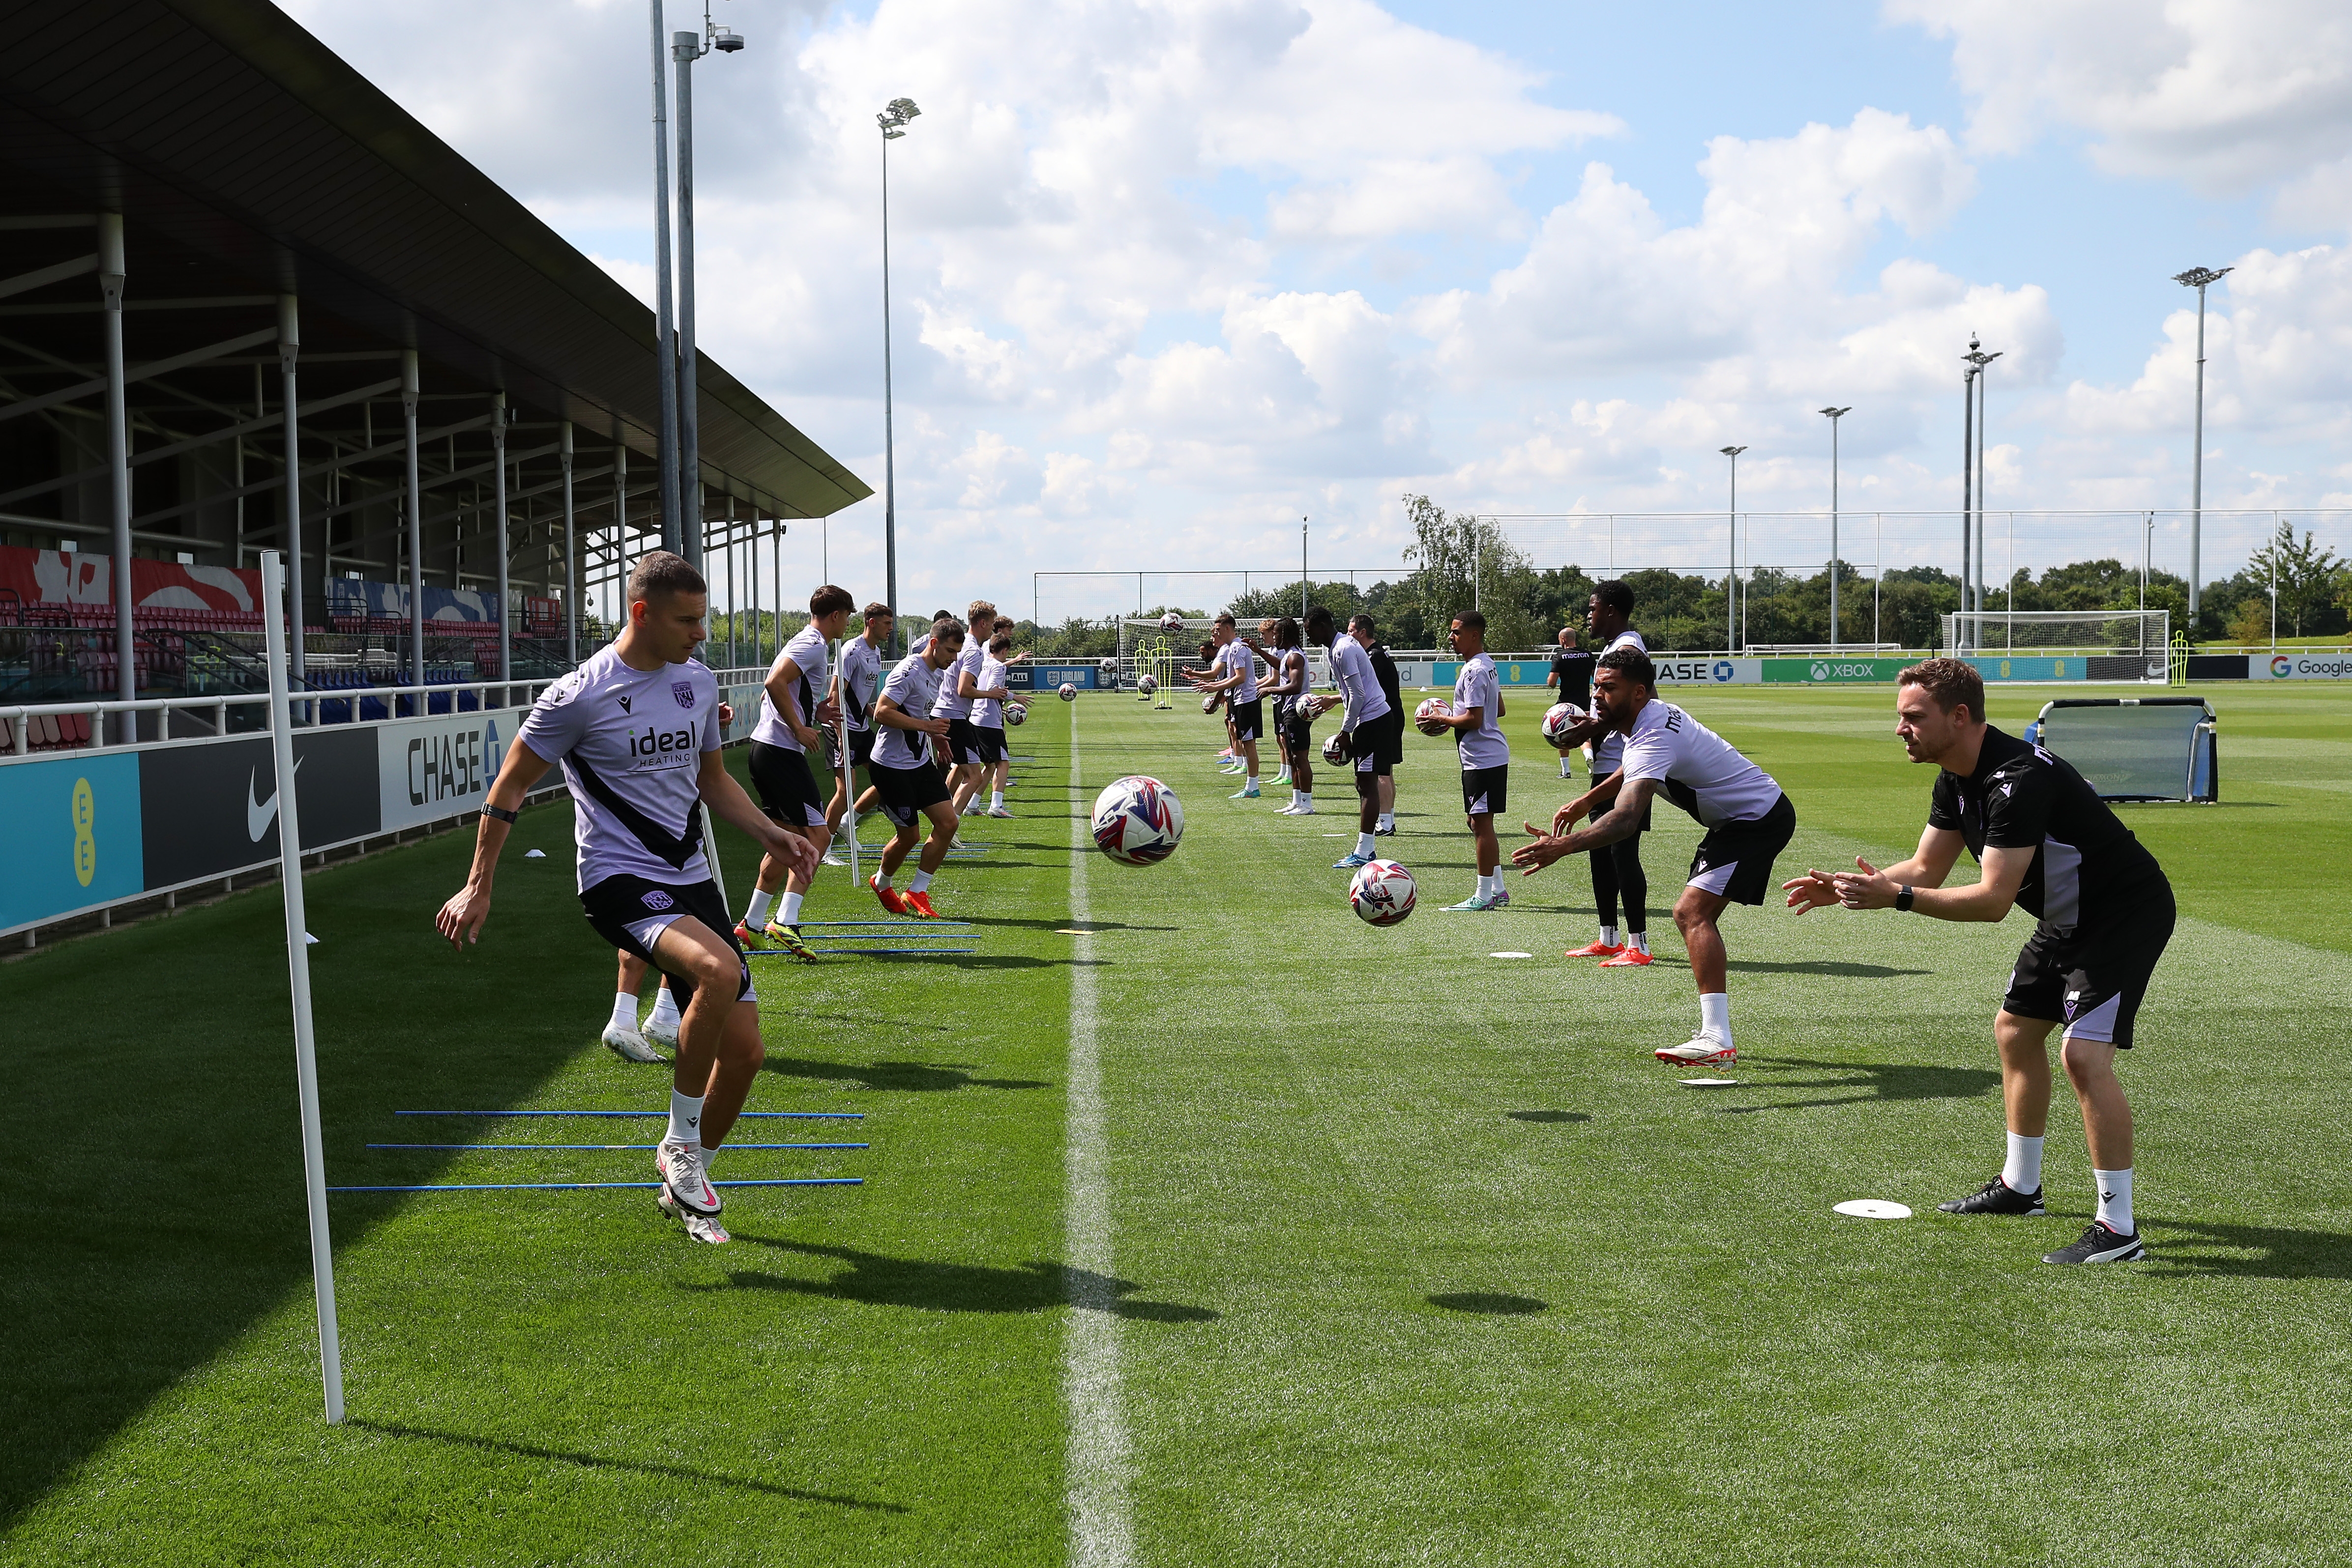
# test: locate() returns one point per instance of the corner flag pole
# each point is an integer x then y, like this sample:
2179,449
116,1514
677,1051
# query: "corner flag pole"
298,966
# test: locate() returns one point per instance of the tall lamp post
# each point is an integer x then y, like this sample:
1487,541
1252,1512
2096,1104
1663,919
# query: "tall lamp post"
1833,415
664,348
2198,277
1972,482
1731,577
893,122
686,48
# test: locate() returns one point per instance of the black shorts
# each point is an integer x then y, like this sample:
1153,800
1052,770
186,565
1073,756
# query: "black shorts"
992,743
964,745
861,748
1486,791
2091,978
1735,858
786,788
629,912
908,792
1249,717
1379,744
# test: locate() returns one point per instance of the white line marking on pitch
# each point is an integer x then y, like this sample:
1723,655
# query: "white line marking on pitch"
1102,1531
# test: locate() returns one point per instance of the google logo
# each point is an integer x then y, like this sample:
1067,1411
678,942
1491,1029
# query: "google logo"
2282,666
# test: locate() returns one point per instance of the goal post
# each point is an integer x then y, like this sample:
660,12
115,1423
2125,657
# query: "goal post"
2136,748
2116,645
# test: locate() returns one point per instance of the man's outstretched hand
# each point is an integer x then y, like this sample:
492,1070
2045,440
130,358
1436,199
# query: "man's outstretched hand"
1544,849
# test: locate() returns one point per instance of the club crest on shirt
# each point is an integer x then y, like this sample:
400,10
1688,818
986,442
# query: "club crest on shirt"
684,691
655,898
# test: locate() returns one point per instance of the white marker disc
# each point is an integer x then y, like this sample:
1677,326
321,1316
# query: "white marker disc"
1510,955
1709,1083
534,855
1871,1208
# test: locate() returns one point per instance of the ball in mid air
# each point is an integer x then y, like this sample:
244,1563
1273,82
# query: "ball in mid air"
1069,693
1431,709
1146,685
1137,820
1171,623
1015,715
1382,894
1559,719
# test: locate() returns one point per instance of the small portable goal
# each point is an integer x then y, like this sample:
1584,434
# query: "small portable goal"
2137,749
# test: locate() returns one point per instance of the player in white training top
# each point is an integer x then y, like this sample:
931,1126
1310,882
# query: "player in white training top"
988,701
1232,674
1747,820
959,688
1476,724
785,749
907,781
1616,869
856,682
1371,735
1290,687
636,729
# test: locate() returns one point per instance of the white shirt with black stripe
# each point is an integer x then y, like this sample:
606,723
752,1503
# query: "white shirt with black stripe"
1610,750
914,686
861,682
807,654
631,743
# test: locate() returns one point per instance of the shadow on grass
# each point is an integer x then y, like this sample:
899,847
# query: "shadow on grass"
1057,923
638,1467
1879,1082
1488,1304
881,1281
1547,1116
2252,1251
913,1077
1838,967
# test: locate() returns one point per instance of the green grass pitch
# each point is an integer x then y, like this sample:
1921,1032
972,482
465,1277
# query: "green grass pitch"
1417,1256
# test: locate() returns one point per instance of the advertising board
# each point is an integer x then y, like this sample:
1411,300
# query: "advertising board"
429,770
210,807
73,835
2302,666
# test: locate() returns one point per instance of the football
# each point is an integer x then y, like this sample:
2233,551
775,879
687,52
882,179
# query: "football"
1381,893
1209,704
1431,709
1015,715
1146,685
1559,719
1137,820
1171,623
1069,693
1336,748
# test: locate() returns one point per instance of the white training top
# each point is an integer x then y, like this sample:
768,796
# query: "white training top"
1234,658
914,686
1480,687
1608,750
808,654
989,712
950,703
1359,688
631,743
861,682
1696,768
1295,667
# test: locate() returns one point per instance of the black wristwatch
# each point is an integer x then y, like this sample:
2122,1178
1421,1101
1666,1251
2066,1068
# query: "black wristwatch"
500,812
1903,901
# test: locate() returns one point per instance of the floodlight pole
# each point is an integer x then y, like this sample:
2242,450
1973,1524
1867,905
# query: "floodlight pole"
298,965
2198,278
1835,415
1302,571
665,346
893,122
686,48
1731,575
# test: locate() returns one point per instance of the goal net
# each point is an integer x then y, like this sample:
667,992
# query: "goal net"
2120,644
2136,748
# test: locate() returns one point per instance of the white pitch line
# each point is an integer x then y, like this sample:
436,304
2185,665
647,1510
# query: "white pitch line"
1102,1532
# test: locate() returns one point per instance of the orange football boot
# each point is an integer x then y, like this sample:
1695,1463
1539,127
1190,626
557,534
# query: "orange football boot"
1596,948
889,895
918,905
1631,958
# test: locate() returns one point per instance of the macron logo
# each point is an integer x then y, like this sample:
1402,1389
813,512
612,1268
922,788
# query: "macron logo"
623,698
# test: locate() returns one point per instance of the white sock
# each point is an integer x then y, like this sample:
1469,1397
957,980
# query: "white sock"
685,1119
1609,937
793,907
1641,940
2022,1172
1282,777
2114,1201
1388,820
1364,845
664,1006
1252,784
709,1154
1563,768
996,799
624,1011
1715,1015
920,884
755,913
881,879
1306,796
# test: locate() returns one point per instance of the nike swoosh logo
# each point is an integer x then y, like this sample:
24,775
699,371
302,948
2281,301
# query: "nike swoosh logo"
259,815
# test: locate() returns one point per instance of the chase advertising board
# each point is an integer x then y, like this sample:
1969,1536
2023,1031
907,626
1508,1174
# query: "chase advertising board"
429,770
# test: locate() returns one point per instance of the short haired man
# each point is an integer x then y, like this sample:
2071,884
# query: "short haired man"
1571,676
988,724
2042,838
636,730
905,778
1384,672
1232,674
1292,681
1749,822
1477,727
1372,733
792,703
855,684
958,687
1616,869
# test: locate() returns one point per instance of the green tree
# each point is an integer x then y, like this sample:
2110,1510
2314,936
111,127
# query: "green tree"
2305,574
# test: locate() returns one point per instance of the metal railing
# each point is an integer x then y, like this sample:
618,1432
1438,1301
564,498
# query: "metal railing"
20,721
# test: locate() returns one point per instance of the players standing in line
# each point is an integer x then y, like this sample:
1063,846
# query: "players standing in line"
636,729
856,683
958,687
784,746
1233,675
988,726
1477,727
1616,869
1747,820
1373,733
1292,680
1571,678
2043,838
905,777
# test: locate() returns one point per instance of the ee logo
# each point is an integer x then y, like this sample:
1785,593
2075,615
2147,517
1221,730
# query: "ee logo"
85,820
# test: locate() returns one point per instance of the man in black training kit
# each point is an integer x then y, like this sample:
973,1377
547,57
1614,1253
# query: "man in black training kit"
1571,677
2044,840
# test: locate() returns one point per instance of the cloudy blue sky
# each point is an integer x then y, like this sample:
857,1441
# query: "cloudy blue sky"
1170,276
